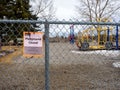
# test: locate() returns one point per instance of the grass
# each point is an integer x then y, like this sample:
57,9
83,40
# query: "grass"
8,58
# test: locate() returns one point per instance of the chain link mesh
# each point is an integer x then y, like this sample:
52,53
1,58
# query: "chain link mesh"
81,62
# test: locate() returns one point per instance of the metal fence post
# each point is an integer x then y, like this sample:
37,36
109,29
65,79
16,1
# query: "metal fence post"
47,87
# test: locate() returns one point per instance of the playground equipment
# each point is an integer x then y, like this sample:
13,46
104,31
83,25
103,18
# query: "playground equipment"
100,37
71,37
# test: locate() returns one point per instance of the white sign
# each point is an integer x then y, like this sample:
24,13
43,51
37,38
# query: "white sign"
33,43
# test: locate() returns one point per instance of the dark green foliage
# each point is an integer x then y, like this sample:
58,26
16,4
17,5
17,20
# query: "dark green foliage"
16,10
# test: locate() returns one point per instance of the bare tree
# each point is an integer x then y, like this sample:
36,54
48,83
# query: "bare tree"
44,9
98,10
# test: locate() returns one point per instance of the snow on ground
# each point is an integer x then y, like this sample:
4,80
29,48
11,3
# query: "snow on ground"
108,53
112,53
116,64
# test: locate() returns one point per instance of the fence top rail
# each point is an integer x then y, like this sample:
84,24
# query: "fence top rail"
60,22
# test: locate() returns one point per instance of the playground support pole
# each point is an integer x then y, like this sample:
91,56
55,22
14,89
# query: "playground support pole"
108,34
117,46
72,34
98,35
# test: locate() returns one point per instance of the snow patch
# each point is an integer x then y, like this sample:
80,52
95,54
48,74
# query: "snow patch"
116,64
112,53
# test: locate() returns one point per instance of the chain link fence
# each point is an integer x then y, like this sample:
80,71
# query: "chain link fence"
76,56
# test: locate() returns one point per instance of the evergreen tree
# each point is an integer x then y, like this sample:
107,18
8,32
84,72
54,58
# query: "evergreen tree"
15,9
4,8
21,10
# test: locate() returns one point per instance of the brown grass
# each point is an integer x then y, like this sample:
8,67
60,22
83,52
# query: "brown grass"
8,58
